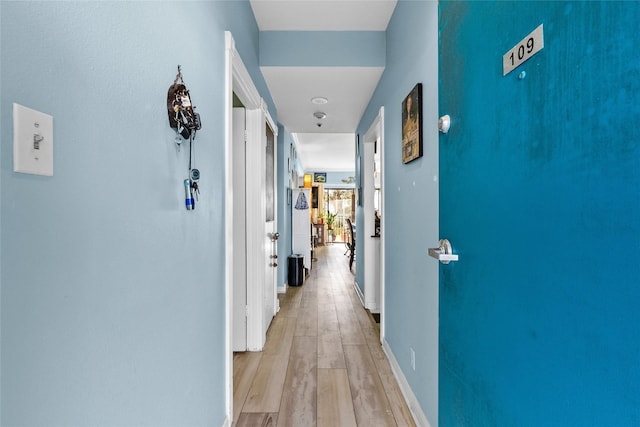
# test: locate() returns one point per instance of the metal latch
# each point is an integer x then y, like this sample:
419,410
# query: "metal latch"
443,253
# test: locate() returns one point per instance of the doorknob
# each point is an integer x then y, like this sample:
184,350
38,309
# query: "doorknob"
443,253
444,123
275,236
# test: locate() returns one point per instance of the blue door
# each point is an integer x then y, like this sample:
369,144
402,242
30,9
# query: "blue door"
540,198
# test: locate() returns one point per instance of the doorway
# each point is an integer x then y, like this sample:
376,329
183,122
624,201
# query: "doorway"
339,202
250,220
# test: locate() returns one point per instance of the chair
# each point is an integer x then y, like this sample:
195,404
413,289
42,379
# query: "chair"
351,242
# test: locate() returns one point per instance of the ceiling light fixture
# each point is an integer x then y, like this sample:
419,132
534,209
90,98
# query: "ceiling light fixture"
319,100
319,115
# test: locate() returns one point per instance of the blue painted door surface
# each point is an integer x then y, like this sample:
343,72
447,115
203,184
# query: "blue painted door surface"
540,197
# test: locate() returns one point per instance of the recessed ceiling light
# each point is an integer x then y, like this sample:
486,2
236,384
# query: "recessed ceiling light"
319,100
319,115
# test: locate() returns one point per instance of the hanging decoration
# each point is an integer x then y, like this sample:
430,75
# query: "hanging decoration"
184,119
301,203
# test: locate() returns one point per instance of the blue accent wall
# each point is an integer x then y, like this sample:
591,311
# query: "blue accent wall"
540,185
411,200
334,179
113,297
322,48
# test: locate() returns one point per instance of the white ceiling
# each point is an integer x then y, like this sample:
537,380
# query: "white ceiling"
348,89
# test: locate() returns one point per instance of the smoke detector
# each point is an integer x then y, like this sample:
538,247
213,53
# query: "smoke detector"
319,115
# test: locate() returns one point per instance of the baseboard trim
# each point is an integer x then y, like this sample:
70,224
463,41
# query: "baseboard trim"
282,289
359,292
374,308
418,415
226,423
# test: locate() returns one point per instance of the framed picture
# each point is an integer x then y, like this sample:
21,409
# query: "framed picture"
412,125
320,177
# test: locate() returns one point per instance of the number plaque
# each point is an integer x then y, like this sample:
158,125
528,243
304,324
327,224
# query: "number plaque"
525,49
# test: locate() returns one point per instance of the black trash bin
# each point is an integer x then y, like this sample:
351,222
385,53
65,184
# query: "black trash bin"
296,270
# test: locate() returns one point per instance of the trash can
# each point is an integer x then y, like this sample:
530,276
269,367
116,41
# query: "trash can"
296,270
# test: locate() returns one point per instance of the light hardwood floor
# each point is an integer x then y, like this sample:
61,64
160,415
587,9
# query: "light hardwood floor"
322,364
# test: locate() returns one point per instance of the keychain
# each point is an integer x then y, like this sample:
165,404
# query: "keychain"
186,122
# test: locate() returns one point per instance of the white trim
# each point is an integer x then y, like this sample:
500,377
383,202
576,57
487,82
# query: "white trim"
237,80
371,245
412,402
226,422
358,292
270,121
383,259
228,233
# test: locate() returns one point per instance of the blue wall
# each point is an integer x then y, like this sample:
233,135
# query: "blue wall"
540,185
322,48
334,179
112,298
411,200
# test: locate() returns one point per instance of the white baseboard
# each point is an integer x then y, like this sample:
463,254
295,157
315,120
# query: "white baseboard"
226,423
359,292
418,415
282,289
374,308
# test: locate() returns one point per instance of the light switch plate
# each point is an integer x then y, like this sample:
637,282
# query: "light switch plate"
32,141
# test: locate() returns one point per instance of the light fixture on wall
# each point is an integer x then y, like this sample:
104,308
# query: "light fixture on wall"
307,180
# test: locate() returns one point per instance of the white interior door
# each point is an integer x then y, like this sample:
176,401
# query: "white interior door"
372,172
271,228
239,334
261,281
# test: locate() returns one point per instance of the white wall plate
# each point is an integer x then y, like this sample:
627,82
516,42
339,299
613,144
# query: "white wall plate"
32,141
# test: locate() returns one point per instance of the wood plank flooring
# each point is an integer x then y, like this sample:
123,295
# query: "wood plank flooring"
322,364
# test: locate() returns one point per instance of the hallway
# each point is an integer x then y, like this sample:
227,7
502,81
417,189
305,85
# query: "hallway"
322,363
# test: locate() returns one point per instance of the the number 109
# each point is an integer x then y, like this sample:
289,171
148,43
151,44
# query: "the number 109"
521,50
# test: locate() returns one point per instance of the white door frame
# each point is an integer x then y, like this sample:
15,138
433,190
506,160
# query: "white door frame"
376,133
369,251
238,81
239,291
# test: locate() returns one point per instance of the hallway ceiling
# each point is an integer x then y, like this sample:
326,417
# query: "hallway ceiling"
347,89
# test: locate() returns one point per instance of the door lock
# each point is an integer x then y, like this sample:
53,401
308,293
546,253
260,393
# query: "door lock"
443,253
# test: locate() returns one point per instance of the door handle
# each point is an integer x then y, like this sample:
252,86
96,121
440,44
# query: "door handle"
275,236
443,253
